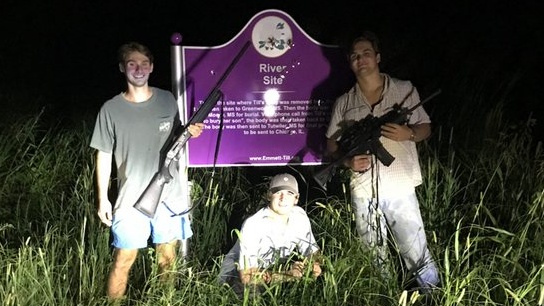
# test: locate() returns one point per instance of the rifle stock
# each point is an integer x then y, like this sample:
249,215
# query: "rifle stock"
151,195
150,198
363,138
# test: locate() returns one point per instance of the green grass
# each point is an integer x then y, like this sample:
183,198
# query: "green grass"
482,206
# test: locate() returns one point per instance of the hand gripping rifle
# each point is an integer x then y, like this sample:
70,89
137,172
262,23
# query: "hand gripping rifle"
149,200
363,137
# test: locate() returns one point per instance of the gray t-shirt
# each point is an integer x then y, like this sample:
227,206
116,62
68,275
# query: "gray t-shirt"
136,134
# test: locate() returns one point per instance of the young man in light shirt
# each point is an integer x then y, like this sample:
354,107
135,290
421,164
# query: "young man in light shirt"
384,196
279,233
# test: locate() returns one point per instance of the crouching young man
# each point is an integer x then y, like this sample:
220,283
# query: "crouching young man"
275,244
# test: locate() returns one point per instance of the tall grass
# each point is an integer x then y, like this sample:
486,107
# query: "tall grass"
483,212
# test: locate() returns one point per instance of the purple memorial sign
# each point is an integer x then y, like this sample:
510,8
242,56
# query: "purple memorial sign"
276,101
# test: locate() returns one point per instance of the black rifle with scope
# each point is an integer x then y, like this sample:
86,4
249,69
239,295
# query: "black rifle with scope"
149,200
363,137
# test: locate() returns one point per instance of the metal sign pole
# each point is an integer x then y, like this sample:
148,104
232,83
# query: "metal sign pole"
177,90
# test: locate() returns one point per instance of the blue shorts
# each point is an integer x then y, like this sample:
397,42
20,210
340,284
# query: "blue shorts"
131,229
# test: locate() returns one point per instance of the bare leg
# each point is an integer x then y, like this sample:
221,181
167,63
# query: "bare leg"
166,255
118,278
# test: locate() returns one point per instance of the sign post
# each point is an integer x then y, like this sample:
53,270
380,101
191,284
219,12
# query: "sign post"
177,80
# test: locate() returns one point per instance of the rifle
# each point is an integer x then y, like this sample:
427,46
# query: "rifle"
149,200
363,137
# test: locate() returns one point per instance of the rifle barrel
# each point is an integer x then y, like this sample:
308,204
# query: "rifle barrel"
149,200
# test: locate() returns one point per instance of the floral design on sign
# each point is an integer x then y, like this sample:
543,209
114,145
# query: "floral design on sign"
272,36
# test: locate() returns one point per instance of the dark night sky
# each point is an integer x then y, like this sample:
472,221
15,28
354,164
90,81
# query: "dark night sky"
64,52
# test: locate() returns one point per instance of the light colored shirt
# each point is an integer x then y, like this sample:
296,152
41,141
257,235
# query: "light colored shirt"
404,174
264,240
